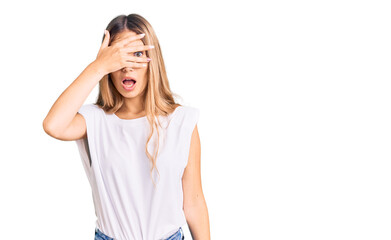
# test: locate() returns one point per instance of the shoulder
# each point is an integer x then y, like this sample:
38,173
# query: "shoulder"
187,115
188,110
90,110
89,107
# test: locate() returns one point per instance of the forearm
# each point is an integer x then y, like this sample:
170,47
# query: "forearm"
69,102
198,220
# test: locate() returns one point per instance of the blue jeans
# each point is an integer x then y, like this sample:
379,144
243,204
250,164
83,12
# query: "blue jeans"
176,236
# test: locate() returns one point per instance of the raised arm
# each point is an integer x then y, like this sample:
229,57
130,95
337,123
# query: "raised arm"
63,113
63,122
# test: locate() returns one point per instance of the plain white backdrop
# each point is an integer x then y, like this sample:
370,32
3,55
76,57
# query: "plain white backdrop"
294,100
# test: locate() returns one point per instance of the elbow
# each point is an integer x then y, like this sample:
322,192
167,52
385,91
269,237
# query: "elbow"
49,129
193,206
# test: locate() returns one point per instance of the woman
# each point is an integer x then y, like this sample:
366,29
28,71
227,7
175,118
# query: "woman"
133,128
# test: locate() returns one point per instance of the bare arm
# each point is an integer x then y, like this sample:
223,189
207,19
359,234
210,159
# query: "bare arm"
194,204
69,102
63,122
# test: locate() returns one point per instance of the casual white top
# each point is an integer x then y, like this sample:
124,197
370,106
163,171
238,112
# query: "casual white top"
113,155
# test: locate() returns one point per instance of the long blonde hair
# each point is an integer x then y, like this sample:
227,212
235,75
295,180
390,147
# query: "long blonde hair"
158,97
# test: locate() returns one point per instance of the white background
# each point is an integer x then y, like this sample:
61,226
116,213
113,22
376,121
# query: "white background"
294,100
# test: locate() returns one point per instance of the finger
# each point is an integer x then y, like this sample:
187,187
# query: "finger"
106,40
124,41
136,65
139,59
138,48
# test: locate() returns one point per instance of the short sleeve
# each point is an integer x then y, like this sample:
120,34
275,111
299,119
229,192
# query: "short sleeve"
84,144
190,121
87,110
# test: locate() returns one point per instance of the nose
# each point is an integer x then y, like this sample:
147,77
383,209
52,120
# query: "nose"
125,69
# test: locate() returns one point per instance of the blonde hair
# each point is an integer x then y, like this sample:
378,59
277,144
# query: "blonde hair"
157,95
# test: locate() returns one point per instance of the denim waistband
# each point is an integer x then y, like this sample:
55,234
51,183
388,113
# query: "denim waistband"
99,235
177,236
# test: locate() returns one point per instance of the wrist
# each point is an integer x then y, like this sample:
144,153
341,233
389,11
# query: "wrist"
97,67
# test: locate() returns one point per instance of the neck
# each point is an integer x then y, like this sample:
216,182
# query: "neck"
132,106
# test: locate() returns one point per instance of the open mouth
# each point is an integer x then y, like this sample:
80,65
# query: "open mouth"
128,82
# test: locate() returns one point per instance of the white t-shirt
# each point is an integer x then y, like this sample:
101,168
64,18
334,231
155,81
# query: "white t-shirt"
126,204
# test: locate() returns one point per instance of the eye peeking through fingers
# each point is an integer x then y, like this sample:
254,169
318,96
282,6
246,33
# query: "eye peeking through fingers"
138,55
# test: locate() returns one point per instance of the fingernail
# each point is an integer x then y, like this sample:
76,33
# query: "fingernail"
152,46
142,34
105,32
149,59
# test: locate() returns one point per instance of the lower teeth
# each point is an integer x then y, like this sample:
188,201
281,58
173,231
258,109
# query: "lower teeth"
131,85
